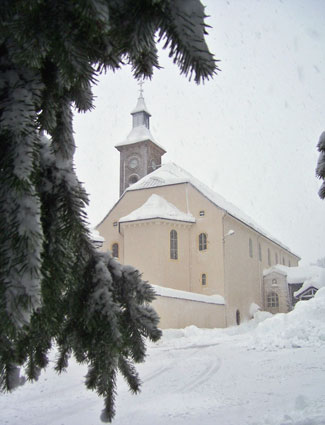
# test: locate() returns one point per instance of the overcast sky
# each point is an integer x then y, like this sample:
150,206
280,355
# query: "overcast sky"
250,133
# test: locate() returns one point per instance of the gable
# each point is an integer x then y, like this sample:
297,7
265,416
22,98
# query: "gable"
306,294
157,207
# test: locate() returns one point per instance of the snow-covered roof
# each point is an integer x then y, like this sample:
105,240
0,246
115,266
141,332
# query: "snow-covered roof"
139,134
95,236
309,276
185,295
278,268
141,106
157,207
170,173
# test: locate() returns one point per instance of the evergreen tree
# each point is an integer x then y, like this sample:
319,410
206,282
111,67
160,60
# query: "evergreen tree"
320,262
320,169
55,287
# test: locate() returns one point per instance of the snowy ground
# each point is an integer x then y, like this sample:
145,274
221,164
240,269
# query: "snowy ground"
268,372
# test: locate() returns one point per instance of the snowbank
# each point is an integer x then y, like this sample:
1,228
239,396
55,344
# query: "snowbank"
302,327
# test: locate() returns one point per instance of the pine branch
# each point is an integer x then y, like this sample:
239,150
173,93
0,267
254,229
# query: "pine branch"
320,169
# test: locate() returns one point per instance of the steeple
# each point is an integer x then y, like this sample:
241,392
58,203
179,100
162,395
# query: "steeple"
140,113
140,154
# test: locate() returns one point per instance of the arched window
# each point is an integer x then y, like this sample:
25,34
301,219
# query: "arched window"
259,252
238,317
203,279
276,258
202,241
250,246
268,256
272,299
115,250
173,245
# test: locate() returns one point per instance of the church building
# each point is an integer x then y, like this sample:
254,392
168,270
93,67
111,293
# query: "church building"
205,257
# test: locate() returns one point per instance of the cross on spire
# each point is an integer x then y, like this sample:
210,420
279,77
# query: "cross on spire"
140,83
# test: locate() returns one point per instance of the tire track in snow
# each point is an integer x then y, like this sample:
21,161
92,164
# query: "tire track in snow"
207,374
172,364
156,373
198,372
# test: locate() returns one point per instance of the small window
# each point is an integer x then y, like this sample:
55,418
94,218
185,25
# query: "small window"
202,241
289,263
202,213
259,252
133,179
283,261
173,245
276,258
115,223
115,250
204,279
268,256
272,300
250,245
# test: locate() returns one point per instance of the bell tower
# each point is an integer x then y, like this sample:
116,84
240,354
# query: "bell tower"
140,154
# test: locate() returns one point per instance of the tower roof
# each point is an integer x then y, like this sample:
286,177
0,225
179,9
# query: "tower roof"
141,106
140,126
139,134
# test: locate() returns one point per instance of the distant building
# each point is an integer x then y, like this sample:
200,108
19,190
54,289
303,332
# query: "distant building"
204,255
291,284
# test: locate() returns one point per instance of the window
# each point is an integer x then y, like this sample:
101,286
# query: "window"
268,256
133,179
250,245
202,213
310,293
203,279
276,258
115,223
272,300
238,317
115,250
289,263
283,261
173,245
202,241
259,252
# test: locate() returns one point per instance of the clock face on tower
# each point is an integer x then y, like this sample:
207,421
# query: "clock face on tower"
133,162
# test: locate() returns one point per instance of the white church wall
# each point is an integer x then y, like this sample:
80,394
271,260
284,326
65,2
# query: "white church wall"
209,261
244,268
147,247
179,313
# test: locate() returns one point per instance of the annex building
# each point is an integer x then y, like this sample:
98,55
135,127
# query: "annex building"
206,258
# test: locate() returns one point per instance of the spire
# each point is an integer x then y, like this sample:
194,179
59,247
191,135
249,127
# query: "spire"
140,83
140,131
140,154
140,113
